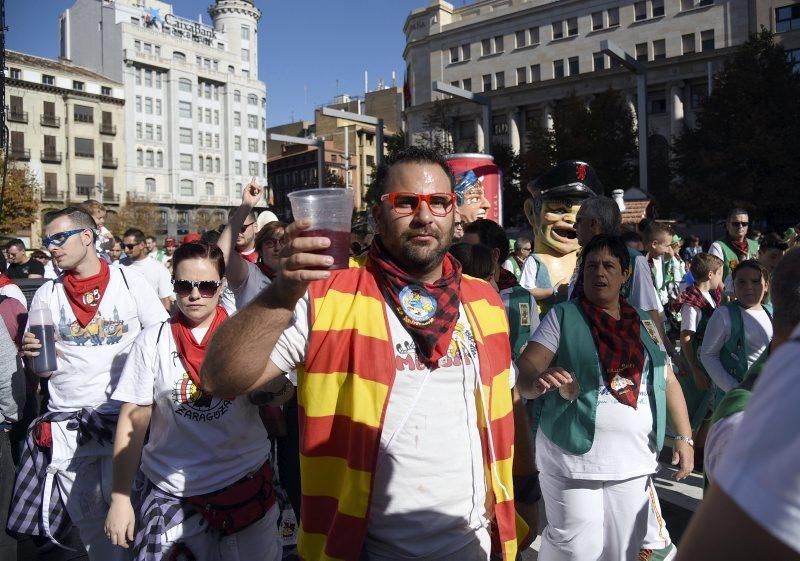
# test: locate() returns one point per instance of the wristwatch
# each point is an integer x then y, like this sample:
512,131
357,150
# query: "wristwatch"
687,439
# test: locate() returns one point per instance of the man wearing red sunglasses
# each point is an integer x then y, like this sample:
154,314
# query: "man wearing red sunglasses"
404,381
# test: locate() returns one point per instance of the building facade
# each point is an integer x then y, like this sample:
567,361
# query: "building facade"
354,144
67,123
195,111
526,55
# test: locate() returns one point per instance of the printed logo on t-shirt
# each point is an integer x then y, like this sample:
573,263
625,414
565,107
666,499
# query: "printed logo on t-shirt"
99,331
193,403
405,357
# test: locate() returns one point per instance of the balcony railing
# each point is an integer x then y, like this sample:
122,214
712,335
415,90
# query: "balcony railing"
107,128
20,154
83,154
50,157
80,118
16,115
110,197
53,195
50,121
109,162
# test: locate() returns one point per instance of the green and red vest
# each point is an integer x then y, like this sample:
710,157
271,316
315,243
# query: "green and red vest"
343,391
519,318
731,258
571,424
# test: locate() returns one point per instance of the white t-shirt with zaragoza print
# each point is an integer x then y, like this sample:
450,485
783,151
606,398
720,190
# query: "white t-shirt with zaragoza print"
198,443
90,359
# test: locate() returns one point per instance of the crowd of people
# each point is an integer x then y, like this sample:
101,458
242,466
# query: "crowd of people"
229,396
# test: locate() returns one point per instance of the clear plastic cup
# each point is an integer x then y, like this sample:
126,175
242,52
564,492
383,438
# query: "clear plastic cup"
330,211
40,323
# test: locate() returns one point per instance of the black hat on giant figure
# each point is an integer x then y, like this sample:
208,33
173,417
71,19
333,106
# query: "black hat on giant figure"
572,179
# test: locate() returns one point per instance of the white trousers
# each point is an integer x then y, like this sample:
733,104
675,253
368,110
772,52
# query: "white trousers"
257,542
84,480
600,520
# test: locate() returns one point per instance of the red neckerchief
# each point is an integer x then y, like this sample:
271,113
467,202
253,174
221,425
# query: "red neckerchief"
740,247
84,295
507,279
190,351
5,281
620,350
264,268
252,257
693,297
434,335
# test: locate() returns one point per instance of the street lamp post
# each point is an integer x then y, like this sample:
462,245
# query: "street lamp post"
614,51
319,142
482,100
365,120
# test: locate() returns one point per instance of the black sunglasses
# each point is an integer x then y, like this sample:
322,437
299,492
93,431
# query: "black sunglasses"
207,289
742,224
244,227
129,246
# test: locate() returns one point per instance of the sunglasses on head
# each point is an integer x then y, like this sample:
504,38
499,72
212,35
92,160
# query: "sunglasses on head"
404,204
60,238
207,289
244,227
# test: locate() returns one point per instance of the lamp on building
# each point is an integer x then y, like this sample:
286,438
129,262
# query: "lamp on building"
614,51
482,100
365,120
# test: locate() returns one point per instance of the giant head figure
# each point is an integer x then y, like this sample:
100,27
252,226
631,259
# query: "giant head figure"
555,199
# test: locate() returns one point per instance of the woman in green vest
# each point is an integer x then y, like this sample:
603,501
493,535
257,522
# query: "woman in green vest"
597,370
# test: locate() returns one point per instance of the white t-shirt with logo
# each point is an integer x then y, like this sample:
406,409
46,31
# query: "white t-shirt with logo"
255,282
156,274
90,359
621,448
429,487
198,443
757,327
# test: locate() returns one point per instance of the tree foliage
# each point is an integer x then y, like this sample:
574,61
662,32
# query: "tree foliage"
743,151
135,214
20,201
438,125
514,193
601,132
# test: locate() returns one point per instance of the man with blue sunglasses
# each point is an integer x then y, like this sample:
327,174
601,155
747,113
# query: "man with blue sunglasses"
64,476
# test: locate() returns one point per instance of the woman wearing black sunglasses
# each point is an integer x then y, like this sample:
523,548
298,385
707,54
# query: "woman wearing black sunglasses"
205,452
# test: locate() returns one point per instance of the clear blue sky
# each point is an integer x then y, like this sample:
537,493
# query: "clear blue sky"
306,46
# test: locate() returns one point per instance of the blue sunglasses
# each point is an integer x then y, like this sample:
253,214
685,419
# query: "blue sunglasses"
61,238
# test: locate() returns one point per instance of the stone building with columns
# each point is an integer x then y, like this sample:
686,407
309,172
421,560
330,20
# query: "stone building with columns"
195,108
525,55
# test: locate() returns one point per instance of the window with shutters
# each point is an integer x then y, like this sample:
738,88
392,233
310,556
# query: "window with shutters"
187,188
83,114
50,184
84,184
84,148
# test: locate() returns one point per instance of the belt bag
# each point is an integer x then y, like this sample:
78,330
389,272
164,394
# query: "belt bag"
240,504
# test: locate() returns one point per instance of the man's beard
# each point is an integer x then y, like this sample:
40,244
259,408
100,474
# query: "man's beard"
416,258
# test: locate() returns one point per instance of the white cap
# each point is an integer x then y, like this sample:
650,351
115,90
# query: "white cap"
265,218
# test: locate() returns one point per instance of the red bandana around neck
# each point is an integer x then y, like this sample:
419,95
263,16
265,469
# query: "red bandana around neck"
190,351
692,296
620,350
252,257
506,279
84,295
740,247
429,311
5,280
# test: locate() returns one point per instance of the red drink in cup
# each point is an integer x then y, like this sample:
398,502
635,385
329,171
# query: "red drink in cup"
330,211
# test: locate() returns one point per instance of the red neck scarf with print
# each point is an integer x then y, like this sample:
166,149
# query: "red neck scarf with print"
190,351
620,350
740,246
692,296
84,295
506,279
434,335
5,281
